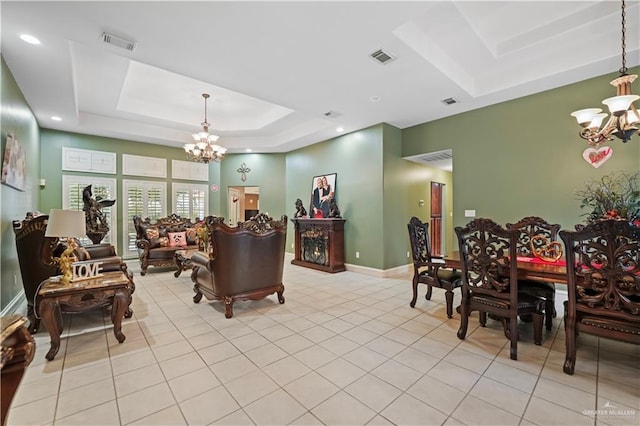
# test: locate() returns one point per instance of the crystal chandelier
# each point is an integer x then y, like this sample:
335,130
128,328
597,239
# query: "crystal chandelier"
624,119
205,149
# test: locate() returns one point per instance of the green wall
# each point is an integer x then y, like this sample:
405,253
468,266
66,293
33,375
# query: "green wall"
357,160
267,172
523,157
16,117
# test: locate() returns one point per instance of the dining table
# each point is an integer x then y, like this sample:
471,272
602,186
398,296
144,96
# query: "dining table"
529,268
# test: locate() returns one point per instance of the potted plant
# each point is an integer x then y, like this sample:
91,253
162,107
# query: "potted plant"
613,196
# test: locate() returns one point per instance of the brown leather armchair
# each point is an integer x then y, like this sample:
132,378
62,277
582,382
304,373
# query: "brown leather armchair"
35,256
244,262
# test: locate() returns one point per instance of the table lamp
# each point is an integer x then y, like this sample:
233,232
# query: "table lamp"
66,224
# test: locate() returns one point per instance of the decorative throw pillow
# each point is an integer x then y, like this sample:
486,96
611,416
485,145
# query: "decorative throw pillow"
163,241
153,235
177,239
192,236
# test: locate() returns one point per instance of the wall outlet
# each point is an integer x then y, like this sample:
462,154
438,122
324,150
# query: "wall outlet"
357,255
408,254
292,245
469,213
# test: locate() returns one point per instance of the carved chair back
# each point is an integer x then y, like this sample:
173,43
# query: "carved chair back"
530,227
35,256
248,255
419,240
603,271
488,253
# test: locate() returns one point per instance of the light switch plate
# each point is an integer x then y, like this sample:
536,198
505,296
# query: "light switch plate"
469,213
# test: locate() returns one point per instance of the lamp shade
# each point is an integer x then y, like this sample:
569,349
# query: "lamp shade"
620,103
66,223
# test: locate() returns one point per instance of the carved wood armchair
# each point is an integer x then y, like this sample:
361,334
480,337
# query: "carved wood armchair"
490,280
35,256
427,269
603,271
244,262
529,228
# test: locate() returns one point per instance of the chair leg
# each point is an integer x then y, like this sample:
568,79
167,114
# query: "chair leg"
449,297
513,337
228,305
482,317
414,285
428,295
464,320
537,328
549,313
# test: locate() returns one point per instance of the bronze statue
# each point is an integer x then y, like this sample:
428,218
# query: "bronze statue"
300,210
97,226
334,211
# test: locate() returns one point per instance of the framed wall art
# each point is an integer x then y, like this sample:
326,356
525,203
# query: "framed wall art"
14,168
323,190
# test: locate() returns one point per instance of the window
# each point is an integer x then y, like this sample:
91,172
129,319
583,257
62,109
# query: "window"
144,199
190,200
101,188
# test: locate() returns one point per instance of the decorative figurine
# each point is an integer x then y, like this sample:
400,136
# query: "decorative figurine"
300,210
97,226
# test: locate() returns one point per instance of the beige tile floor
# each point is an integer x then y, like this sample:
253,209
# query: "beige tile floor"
344,349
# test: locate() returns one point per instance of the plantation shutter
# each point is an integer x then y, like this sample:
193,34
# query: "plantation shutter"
190,200
144,199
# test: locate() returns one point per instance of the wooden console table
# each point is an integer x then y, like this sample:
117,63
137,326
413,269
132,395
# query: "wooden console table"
319,244
112,289
16,353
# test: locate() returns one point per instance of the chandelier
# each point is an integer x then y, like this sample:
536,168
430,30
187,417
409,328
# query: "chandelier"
205,149
624,119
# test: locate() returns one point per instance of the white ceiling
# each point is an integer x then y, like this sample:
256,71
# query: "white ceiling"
274,69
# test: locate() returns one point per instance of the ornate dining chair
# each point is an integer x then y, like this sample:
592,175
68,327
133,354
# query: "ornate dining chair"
426,267
490,280
603,271
536,234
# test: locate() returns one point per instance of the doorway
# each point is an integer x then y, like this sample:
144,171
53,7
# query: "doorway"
243,203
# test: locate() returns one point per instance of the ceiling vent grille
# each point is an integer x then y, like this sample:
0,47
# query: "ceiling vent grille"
436,156
118,41
382,57
450,101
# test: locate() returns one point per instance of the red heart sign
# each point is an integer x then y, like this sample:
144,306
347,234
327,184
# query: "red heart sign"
597,157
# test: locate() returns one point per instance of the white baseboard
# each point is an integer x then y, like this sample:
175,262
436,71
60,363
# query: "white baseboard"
365,270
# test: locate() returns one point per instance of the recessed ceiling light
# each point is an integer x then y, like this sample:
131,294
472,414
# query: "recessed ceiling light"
248,150
375,99
29,39
339,130
56,118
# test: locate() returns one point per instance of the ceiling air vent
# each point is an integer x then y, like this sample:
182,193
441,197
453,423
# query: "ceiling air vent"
382,57
437,156
118,41
450,101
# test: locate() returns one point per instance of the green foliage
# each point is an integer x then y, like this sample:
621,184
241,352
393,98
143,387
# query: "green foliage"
616,195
